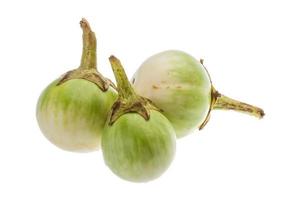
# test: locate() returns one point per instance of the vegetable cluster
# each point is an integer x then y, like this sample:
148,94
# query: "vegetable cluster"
135,124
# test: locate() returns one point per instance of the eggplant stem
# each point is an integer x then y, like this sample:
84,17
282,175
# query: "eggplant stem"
88,69
89,57
128,101
225,103
124,87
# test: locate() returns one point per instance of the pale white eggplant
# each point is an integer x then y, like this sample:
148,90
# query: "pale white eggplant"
180,85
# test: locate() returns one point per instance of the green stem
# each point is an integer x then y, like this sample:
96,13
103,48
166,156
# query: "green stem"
226,103
88,60
124,87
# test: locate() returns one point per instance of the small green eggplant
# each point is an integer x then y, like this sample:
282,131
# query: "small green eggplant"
72,110
138,142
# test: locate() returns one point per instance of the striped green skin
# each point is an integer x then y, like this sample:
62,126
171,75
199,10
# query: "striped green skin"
138,150
179,85
72,115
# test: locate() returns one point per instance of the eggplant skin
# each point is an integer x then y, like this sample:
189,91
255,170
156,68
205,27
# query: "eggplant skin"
138,150
72,115
178,84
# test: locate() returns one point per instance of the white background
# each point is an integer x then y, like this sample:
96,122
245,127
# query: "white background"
244,45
